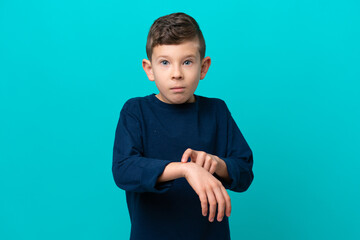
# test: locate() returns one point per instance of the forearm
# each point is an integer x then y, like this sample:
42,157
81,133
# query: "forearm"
137,174
172,171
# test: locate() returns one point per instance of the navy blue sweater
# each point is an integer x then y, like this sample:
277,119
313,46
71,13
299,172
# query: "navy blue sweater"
150,134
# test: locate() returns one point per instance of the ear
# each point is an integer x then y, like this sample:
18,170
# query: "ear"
205,64
146,64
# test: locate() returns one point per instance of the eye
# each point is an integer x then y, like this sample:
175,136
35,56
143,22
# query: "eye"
164,62
187,62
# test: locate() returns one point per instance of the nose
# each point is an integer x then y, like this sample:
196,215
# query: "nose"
177,73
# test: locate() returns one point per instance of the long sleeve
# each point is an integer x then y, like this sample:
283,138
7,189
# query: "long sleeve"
131,171
150,134
239,158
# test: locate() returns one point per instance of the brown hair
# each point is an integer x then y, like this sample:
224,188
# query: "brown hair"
174,28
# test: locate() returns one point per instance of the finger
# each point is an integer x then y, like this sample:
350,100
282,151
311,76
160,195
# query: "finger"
207,164
213,167
200,159
204,203
186,155
227,201
221,203
212,203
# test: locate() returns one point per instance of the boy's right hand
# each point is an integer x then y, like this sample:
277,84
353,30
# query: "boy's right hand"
210,191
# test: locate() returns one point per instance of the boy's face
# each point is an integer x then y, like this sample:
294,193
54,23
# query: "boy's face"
176,70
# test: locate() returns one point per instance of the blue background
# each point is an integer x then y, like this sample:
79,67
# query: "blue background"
288,70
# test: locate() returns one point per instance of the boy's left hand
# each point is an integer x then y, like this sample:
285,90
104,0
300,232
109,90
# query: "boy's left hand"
209,162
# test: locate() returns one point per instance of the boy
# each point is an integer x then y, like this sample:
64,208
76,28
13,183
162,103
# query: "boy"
175,152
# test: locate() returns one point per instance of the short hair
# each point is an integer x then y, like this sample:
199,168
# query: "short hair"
174,28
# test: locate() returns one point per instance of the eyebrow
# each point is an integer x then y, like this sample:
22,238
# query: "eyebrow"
187,56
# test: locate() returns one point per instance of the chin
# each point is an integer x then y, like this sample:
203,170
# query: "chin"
181,101
178,99
178,102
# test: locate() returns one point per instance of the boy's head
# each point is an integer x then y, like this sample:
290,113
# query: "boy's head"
176,52
174,29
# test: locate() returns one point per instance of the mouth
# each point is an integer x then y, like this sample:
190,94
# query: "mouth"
177,89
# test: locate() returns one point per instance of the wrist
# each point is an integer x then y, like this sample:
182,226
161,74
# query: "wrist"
221,165
222,170
173,171
186,167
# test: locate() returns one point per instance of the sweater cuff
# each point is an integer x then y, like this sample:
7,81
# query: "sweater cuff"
230,168
150,175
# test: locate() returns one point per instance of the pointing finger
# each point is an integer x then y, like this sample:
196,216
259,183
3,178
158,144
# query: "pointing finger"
186,155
